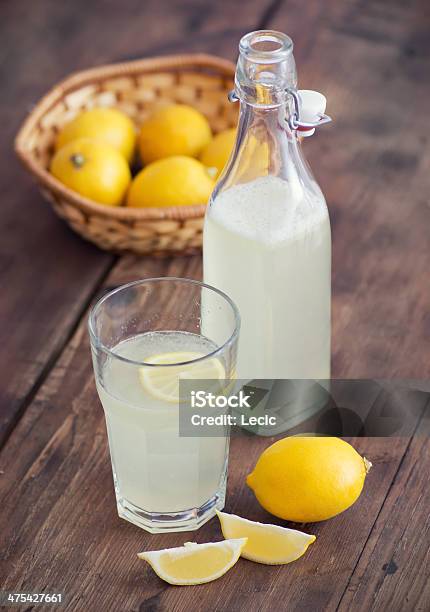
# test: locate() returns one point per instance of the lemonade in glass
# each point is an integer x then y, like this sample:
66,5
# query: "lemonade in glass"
145,337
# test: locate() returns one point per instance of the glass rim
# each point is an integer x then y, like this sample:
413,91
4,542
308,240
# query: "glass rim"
98,344
247,45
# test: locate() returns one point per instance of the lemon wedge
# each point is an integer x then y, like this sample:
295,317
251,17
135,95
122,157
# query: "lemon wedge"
269,544
163,383
194,563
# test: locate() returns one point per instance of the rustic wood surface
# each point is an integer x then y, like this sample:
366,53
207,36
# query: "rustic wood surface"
58,525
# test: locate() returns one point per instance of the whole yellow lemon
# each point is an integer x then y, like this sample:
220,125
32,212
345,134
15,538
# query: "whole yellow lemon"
94,169
216,154
308,479
108,125
173,130
174,181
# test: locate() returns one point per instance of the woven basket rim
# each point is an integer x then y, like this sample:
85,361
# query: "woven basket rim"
85,77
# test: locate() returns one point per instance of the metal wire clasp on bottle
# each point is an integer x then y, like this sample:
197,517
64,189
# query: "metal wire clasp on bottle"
294,120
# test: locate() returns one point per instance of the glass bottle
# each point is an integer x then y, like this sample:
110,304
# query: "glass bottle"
267,241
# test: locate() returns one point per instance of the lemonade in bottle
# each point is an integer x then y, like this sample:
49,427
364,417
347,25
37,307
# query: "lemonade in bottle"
267,240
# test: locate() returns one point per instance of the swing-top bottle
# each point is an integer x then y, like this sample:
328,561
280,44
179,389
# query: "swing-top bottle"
267,241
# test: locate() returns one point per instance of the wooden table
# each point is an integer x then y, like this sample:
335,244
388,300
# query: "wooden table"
58,525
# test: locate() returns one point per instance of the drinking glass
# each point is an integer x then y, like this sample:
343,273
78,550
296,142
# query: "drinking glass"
144,336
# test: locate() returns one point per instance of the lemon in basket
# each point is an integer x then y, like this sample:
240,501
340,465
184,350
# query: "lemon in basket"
174,181
108,125
173,130
93,169
216,154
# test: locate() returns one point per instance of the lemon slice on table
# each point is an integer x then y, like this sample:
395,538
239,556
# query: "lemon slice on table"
194,563
269,544
163,383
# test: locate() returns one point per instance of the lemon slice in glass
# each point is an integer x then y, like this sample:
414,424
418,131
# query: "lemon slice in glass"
269,544
194,563
163,382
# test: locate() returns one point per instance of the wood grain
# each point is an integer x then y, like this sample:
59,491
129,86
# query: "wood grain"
393,572
65,533
70,538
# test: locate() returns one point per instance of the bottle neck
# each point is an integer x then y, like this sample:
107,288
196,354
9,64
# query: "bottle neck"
264,146
272,119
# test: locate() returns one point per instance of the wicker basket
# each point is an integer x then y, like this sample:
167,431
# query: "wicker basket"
136,88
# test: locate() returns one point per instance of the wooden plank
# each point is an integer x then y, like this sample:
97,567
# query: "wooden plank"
59,522
48,274
373,166
70,539
393,572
